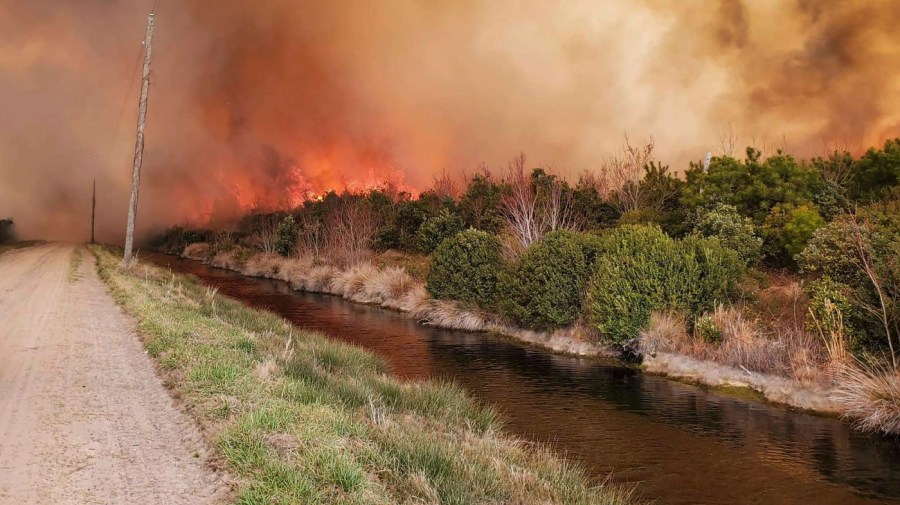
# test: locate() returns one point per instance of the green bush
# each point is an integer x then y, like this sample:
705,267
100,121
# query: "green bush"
828,254
705,328
438,228
754,186
642,270
789,228
830,306
833,254
877,172
736,232
544,288
717,273
480,205
673,222
465,267
401,225
286,241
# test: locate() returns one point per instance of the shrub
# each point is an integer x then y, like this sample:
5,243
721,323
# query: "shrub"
437,228
826,254
401,225
717,273
831,316
705,328
673,222
789,228
753,186
837,251
734,231
480,204
465,268
286,241
877,171
545,287
7,228
173,240
642,270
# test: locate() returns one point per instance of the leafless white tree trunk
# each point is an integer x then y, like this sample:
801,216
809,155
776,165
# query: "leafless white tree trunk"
533,210
310,237
350,229
265,237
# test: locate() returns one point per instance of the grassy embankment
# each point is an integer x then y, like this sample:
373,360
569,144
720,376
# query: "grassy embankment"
395,281
299,418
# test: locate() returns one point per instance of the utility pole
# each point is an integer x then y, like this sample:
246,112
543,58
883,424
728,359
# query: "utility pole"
93,210
139,143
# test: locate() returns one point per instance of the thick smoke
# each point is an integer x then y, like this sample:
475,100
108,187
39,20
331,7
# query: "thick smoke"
262,104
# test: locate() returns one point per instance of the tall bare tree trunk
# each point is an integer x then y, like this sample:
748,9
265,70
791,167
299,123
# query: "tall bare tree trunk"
139,144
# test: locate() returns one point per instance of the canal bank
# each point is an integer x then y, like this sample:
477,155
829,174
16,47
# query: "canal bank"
682,444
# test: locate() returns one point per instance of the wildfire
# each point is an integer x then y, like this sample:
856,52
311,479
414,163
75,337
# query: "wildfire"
308,176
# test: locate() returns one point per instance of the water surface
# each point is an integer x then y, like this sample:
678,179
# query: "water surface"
681,444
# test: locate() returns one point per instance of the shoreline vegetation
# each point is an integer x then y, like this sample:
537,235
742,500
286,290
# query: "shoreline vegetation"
392,288
298,418
768,272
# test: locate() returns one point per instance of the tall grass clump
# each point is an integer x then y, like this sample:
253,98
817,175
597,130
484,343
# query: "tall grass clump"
465,267
870,396
299,418
641,270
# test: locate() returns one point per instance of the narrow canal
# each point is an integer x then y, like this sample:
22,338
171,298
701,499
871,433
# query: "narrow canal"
680,444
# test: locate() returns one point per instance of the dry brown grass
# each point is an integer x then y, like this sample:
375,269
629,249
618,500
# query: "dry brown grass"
197,251
787,350
870,396
263,265
225,260
449,315
416,265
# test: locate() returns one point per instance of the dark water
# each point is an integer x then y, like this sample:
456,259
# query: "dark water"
681,444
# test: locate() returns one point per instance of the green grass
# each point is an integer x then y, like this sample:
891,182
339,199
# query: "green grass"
300,418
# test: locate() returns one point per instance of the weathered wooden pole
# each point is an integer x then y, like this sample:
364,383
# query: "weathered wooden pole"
93,210
139,143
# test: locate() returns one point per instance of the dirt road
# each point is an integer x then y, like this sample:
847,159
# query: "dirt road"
83,417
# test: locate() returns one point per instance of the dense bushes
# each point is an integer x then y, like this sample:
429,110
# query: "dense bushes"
788,229
544,288
754,186
735,231
465,267
642,270
437,228
173,240
670,244
857,256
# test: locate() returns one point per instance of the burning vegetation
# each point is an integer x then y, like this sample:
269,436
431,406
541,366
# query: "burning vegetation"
773,266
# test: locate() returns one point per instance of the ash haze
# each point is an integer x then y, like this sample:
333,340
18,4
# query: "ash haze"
264,103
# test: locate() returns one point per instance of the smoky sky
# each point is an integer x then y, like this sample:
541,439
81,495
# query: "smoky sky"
261,104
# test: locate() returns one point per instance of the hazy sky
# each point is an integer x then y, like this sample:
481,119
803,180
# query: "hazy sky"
265,102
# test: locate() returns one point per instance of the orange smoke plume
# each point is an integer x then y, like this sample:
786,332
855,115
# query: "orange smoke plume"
264,104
